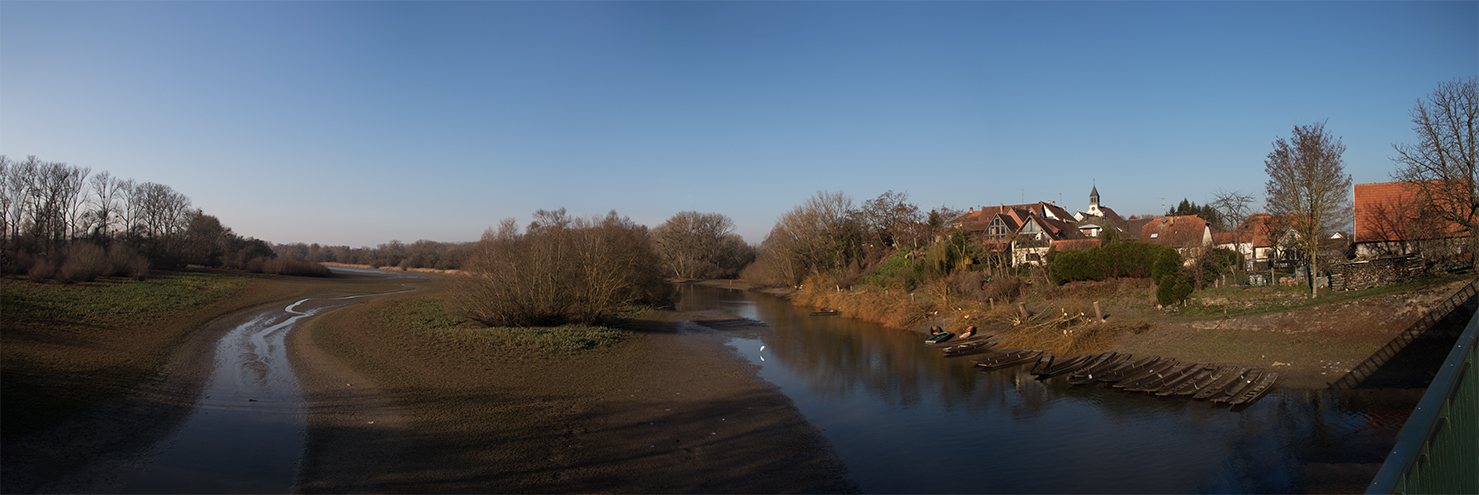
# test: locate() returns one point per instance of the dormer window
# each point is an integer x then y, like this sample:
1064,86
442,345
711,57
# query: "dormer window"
1154,235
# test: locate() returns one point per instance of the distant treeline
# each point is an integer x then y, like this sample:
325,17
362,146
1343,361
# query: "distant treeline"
419,254
63,222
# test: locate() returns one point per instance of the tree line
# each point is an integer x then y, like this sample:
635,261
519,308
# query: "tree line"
64,222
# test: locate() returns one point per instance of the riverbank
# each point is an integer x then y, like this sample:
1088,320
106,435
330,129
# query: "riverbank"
668,408
1311,346
100,388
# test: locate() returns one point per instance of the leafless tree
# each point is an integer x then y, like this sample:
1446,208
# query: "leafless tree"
1307,184
1441,164
701,245
561,269
891,219
1233,207
107,196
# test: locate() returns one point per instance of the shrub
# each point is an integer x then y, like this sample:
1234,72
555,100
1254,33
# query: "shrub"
83,262
1118,260
283,265
561,270
123,261
42,270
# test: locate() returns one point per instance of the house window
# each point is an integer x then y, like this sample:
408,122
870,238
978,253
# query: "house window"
1154,235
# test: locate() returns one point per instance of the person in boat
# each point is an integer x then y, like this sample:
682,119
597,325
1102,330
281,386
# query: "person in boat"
970,331
936,330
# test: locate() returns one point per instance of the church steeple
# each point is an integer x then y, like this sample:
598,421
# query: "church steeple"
1094,197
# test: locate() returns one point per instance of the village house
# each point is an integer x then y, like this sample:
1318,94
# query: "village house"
1392,220
1185,233
1025,231
1257,239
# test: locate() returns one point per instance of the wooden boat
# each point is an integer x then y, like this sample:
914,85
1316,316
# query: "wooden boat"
1238,387
1090,374
939,337
1043,361
826,312
1219,384
1133,371
955,342
969,348
1187,380
1126,368
1008,359
1156,368
1201,383
1065,366
1158,380
1265,382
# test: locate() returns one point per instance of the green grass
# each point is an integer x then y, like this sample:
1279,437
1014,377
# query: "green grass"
114,302
428,314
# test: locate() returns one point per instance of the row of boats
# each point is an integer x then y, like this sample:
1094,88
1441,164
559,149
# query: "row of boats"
1163,377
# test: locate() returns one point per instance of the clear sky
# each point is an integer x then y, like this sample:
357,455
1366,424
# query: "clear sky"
361,122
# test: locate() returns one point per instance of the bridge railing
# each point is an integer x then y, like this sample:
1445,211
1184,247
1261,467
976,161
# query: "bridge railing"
1437,450
1361,371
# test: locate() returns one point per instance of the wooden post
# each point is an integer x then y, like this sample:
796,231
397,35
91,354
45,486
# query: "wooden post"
993,302
1098,315
1022,310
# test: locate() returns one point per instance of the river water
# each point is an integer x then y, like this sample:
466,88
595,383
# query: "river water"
247,432
905,419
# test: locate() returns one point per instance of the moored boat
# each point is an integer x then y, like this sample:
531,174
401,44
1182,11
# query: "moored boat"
968,348
1158,380
1196,372
1237,387
939,337
1149,372
1201,383
1065,366
1091,373
1006,359
1218,385
1264,383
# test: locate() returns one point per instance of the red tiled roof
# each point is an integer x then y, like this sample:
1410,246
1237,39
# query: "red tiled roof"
1175,231
1389,211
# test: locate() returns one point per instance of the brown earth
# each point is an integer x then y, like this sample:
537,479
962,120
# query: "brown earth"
1310,347
668,410
84,452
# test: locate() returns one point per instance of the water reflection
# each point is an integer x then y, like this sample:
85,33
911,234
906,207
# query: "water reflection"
907,419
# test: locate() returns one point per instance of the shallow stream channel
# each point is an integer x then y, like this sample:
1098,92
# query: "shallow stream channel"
906,419
247,432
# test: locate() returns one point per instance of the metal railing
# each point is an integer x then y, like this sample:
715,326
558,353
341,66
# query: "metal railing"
1437,450
1381,356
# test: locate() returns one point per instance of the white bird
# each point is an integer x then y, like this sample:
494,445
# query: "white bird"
762,347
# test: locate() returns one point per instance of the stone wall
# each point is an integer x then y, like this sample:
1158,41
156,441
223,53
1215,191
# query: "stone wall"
1371,273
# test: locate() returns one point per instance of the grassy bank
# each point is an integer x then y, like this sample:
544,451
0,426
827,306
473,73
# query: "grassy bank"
68,348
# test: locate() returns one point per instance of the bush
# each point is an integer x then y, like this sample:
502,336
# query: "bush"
282,265
1118,260
561,270
123,261
83,262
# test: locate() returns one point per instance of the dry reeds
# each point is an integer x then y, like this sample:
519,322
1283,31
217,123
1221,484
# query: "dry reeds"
1068,331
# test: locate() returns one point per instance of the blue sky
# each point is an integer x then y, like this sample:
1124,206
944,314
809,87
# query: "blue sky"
361,122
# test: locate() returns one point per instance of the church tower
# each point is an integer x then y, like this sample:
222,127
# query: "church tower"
1094,199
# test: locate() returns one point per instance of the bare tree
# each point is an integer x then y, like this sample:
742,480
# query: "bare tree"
1307,184
701,245
1441,164
891,219
108,197
1232,207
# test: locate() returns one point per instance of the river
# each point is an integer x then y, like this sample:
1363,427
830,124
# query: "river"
247,432
906,419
